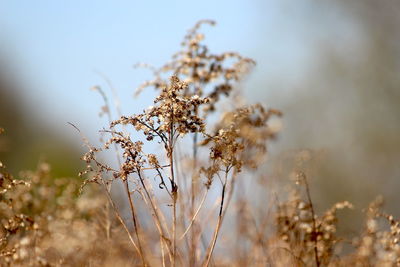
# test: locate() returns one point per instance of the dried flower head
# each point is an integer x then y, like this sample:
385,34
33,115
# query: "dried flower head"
241,137
311,237
206,74
173,111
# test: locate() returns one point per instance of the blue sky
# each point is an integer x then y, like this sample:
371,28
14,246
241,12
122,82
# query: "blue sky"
56,47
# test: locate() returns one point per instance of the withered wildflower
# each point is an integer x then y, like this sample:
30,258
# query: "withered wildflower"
241,137
173,114
206,74
189,88
312,238
379,245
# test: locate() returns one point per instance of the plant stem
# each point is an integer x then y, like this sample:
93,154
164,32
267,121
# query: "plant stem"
314,230
219,223
174,187
157,218
174,200
192,248
135,223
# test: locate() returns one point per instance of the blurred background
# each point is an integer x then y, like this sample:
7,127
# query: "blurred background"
332,67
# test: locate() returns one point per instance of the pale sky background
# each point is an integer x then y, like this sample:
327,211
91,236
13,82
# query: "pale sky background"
56,47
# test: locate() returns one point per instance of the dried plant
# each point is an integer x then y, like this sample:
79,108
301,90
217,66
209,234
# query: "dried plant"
164,199
196,84
312,238
379,244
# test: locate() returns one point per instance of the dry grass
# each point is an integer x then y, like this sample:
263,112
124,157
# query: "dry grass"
180,165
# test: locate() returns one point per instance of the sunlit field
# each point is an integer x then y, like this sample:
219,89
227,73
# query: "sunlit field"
194,179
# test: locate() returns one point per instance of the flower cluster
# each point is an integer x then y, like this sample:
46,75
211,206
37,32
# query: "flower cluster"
13,221
379,246
241,137
132,153
46,224
306,233
173,115
207,74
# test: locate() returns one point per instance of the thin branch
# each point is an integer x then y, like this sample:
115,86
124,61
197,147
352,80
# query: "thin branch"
219,223
195,215
314,230
134,219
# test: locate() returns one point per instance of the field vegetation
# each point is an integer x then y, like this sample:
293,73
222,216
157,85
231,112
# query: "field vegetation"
185,183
